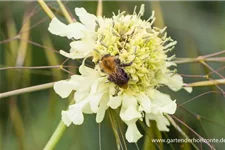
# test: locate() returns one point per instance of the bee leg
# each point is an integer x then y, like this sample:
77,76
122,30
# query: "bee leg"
127,64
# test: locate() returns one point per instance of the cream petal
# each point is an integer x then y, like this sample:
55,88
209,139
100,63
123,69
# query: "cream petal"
102,108
57,27
145,102
77,31
78,117
76,81
128,100
80,95
174,82
99,85
77,78
170,108
80,83
79,49
65,118
80,11
73,114
86,71
188,89
161,103
94,101
84,46
72,55
114,102
87,109
164,103
130,114
161,121
94,86
169,64
73,30
63,88
132,133
87,19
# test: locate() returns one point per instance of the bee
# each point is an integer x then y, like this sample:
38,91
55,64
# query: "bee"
112,66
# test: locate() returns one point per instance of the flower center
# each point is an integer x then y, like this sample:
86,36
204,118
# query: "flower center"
134,42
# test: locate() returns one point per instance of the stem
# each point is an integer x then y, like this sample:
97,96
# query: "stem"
46,9
171,120
220,59
30,67
65,12
55,136
206,83
199,136
199,59
184,60
27,90
99,8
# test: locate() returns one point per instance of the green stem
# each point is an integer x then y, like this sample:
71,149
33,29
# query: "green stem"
27,90
65,12
198,59
46,9
174,124
55,136
206,83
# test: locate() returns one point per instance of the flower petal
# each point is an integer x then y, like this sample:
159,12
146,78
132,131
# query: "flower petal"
170,108
57,27
87,19
63,88
188,89
161,121
130,114
84,46
78,117
128,100
162,103
114,102
65,118
79,49
102,108
174,82
132,133
80,95
73,30
74,114
94,101
145,102
86,71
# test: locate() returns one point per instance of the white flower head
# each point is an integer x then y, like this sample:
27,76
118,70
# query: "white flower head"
131,63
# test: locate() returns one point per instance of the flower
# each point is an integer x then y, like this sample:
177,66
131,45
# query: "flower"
132,41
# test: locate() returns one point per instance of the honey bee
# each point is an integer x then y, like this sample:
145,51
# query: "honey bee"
112,66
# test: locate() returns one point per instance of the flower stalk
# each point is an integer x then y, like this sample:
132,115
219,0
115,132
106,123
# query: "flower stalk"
206,83
65,12
46,9
27,90
55,136
175,125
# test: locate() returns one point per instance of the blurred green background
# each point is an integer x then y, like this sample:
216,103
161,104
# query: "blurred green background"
28,120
